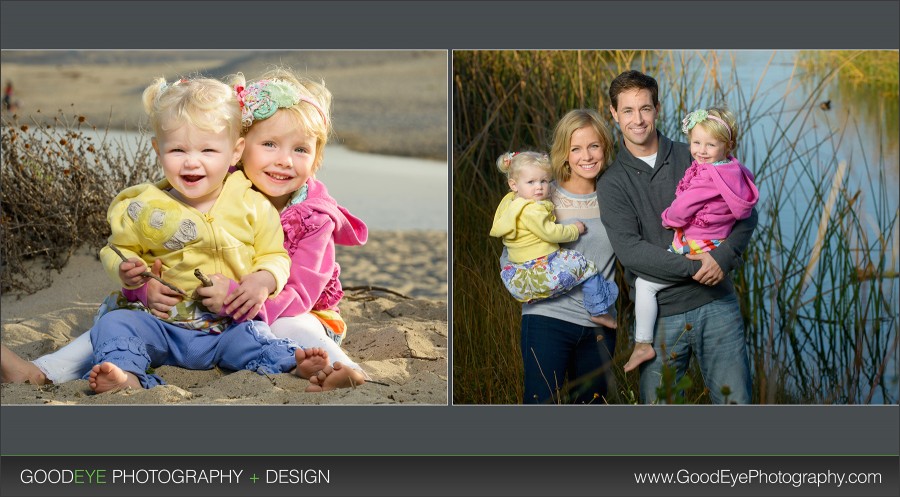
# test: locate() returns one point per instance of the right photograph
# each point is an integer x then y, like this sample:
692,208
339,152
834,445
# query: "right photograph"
675,227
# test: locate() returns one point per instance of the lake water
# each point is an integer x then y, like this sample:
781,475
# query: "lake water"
807,113
784,96
387,192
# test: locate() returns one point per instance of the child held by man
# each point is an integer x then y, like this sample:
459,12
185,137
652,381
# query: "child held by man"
714,193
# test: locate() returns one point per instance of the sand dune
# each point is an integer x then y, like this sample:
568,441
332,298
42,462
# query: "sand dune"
398,334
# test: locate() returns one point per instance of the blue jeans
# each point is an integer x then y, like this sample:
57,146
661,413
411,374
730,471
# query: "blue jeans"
714,333
556,351
135,340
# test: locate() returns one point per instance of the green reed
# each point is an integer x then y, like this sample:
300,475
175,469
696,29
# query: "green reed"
818,288
505,101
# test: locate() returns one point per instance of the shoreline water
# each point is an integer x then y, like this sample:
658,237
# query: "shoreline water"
387,192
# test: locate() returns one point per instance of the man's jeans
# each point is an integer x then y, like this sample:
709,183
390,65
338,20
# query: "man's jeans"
714,333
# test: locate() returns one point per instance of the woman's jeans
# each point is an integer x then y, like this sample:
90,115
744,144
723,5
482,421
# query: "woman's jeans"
565,362
714,333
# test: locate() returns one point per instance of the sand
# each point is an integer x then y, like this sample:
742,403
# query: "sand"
397,333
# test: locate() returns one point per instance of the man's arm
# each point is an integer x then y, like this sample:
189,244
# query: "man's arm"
636,254
729,254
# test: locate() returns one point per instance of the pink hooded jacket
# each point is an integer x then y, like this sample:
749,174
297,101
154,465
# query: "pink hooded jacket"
710,198
311,229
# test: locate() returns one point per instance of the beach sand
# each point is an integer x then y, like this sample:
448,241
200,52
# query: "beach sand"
400,340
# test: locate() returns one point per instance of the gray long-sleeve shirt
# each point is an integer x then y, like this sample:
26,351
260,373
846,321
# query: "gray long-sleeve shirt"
632,196
594,245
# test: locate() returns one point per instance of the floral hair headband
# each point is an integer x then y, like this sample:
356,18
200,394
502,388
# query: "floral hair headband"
260,100
698,116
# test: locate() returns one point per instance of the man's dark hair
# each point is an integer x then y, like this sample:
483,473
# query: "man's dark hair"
632,80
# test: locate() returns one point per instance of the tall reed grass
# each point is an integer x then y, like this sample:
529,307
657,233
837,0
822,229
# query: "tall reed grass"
57,183
818,331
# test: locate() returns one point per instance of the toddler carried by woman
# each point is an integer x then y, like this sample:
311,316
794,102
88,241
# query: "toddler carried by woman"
538,268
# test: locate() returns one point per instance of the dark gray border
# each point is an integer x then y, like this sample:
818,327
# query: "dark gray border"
763,430
456,430
450,24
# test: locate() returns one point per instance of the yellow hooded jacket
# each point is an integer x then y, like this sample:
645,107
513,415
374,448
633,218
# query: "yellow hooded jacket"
529,229
240,234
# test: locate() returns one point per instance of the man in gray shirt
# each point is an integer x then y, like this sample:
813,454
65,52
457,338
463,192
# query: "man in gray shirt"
699,314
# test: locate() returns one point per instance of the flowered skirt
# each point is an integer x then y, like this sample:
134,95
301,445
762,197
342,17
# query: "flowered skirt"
548,276
683,245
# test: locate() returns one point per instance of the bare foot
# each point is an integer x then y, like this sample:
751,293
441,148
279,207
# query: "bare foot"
107,376
604,320
340,377
14,369
310,362
642,352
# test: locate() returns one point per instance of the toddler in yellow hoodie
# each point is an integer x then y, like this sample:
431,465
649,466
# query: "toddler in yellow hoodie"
538,267
200,217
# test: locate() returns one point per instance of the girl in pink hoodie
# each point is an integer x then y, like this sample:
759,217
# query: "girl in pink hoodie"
715,192
286,126
286,122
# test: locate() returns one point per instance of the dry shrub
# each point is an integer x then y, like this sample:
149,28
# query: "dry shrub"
57,182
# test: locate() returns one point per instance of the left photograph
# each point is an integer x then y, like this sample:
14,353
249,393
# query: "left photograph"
224,227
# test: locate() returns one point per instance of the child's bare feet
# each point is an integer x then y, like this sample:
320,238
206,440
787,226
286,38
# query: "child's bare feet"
310,362
14,369
642,352
339,377
604,320
107,376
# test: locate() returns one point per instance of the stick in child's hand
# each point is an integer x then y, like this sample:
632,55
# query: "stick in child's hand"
202,277
148,273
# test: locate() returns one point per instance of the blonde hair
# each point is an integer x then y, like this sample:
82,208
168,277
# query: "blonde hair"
562,140
512,163
305,115
205,103
718,131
